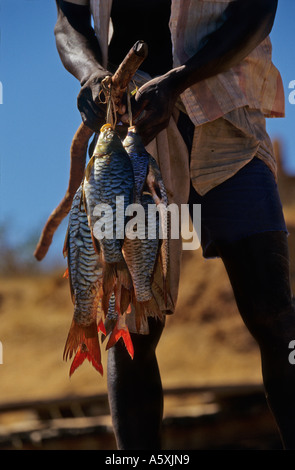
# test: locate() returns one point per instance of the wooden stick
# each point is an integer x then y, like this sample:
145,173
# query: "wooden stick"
119,82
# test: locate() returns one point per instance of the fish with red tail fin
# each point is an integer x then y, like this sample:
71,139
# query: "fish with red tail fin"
109,176
116,328
85,273
120,330
142,253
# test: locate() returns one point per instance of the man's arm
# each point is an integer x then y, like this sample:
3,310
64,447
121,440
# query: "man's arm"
247,23
76,43
80,54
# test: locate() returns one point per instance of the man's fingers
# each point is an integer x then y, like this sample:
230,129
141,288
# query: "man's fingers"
91,119
138,105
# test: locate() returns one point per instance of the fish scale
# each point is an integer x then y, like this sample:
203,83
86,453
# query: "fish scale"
109,175
85,275
78,257
141,255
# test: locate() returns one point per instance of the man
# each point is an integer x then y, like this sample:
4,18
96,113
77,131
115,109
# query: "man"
211,61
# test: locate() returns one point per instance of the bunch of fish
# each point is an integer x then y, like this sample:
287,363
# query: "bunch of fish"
110,276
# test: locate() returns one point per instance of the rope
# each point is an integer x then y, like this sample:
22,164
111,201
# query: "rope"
111,114
129,107
106,89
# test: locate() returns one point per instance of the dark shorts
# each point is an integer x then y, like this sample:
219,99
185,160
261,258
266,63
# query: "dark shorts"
246,204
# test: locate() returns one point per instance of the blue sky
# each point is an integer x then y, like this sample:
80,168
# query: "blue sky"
38,116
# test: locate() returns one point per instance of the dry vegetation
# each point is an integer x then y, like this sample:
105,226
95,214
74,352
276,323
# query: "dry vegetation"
205,342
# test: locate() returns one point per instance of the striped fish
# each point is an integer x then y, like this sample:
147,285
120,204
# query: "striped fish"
141,253
115,326
109,175
85,275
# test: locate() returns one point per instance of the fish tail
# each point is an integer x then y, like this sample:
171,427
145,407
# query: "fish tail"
109,277
139,313
121,332
101,327
108,283
109,325
83,343
163,257
148,308
113,272
152,309
125,301
122,299
116,279
66,274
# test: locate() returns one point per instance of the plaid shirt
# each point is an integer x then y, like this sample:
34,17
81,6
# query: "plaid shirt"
255,82
228,109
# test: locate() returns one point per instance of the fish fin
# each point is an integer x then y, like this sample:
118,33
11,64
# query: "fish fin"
82,205
139,308
89,167
79,358
105,303
148,308
84,199
117,292
109,326
95,242
66,274
121,332
152,309
109,277
108,284
83,342
139,315
116,277
123,274
128,309
125,304
101,327
66,244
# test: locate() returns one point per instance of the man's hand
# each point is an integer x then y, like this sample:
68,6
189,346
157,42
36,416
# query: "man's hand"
80,54
152,106
91,102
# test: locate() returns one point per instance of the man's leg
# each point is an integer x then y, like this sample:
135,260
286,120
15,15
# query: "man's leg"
258,268
135,392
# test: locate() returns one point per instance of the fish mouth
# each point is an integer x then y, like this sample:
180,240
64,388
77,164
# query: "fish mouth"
106,127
